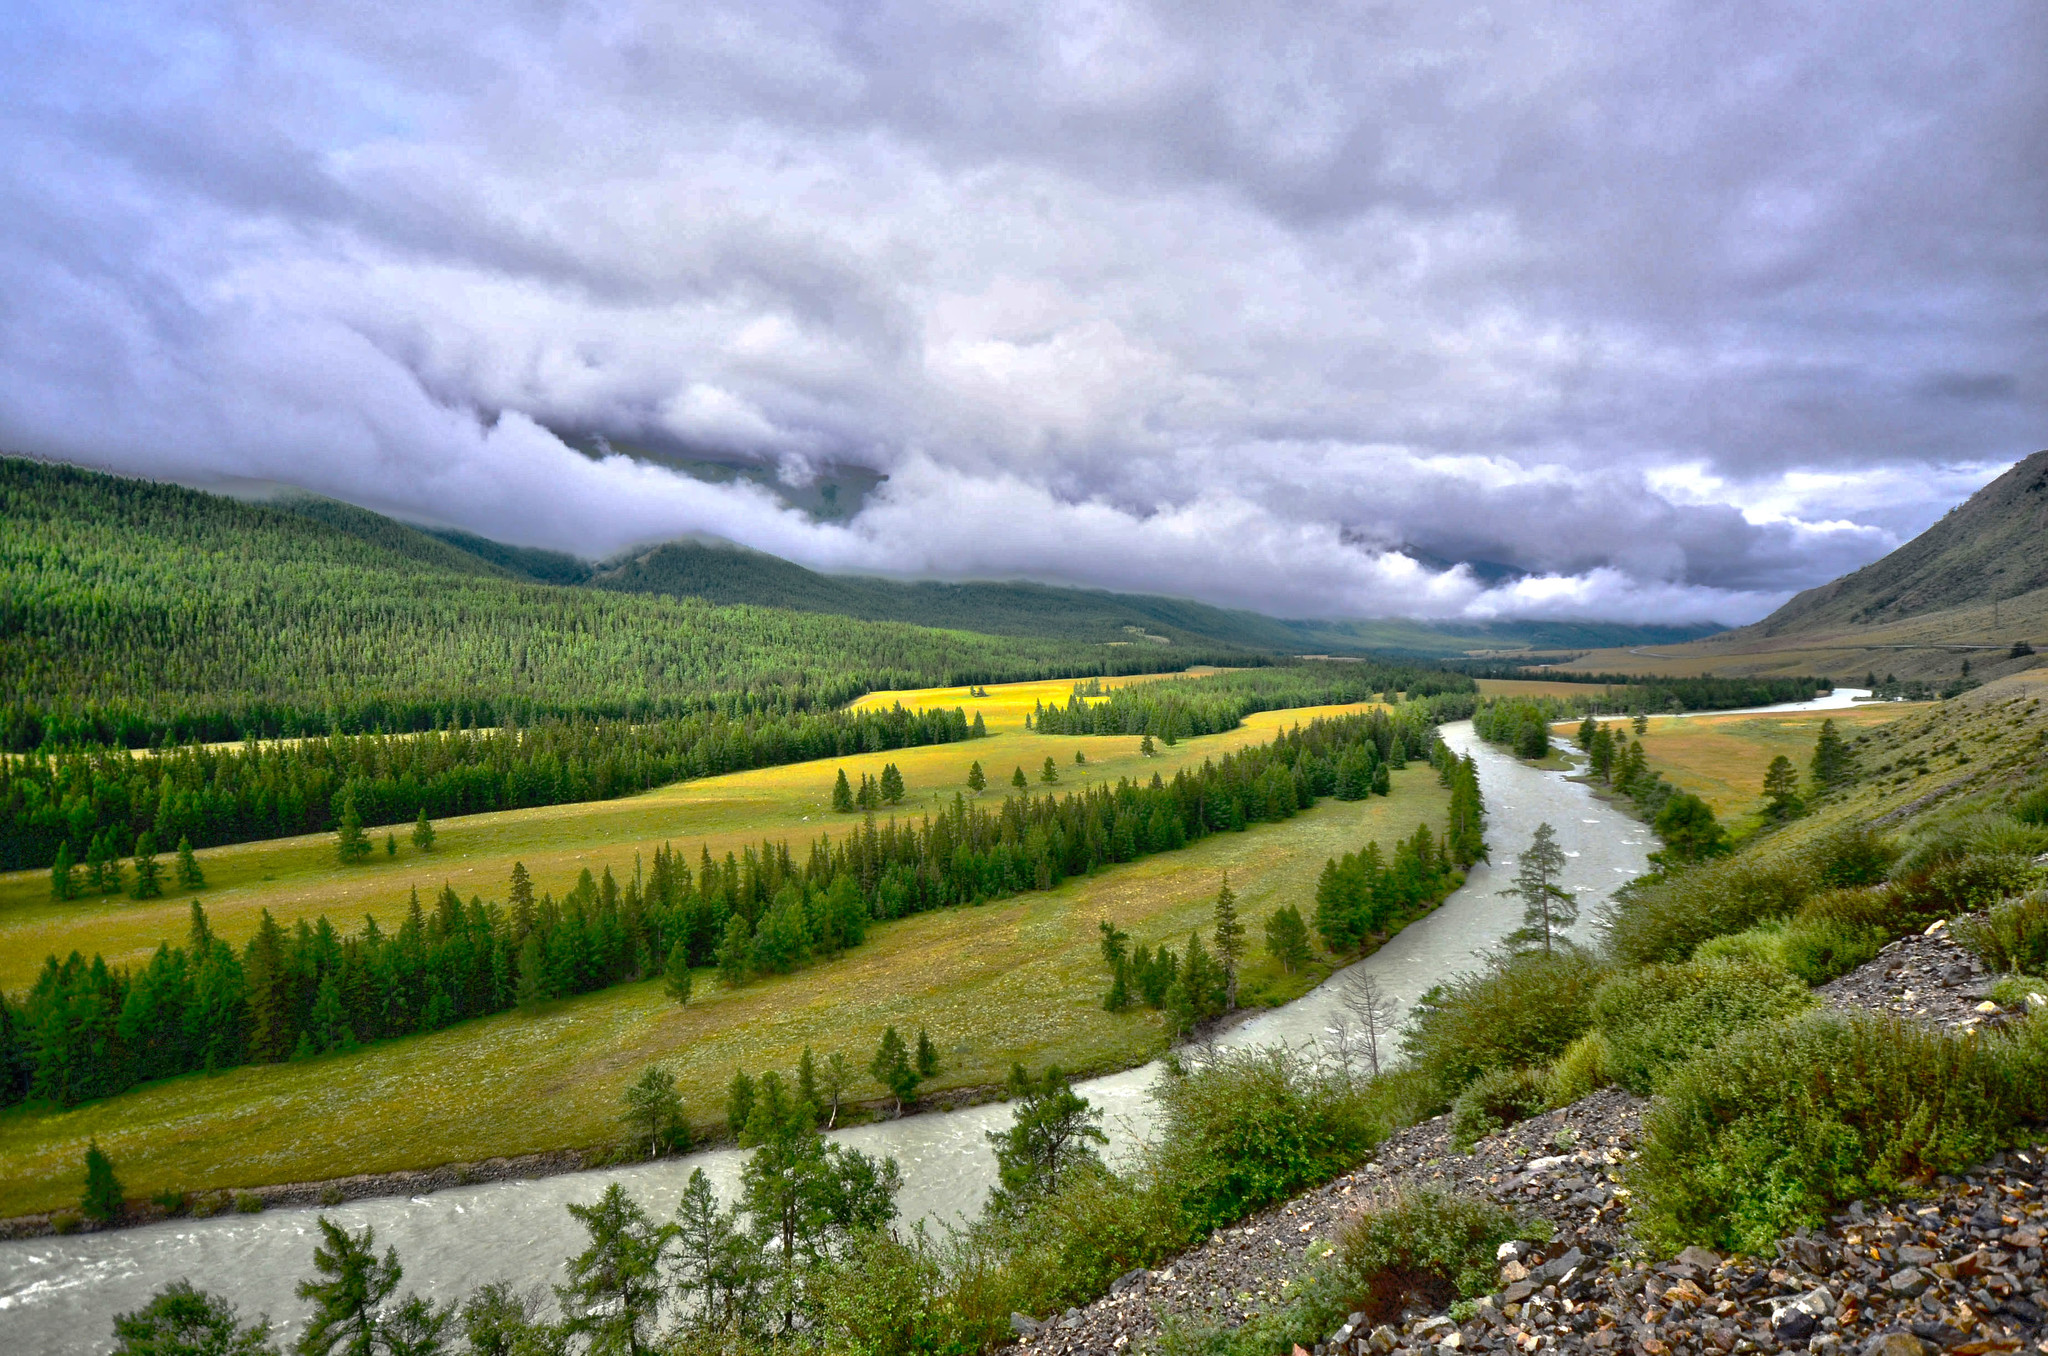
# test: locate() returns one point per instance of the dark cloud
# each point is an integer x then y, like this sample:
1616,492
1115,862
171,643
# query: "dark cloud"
1668,311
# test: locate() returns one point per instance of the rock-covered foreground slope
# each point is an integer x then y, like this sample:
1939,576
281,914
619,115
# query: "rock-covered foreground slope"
1958,1270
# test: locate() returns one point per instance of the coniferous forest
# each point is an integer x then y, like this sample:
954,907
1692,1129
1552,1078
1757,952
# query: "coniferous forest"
1185,707
141,614
88,1030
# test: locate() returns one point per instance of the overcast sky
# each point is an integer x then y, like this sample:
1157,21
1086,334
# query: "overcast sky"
1677,308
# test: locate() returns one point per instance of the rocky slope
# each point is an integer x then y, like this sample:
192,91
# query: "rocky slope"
1958,1270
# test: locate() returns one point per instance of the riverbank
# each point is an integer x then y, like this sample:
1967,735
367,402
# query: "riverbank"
1957,1269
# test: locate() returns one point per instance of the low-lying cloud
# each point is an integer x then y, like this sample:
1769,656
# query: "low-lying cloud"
1670,313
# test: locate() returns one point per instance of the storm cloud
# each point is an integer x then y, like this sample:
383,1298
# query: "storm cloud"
1670,310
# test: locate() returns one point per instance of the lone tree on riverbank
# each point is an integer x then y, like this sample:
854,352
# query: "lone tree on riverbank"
1229,942
1547,910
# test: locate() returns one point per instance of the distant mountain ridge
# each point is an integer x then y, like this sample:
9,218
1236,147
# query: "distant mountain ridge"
1992,545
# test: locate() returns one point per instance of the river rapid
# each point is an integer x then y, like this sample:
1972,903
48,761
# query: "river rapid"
60,1295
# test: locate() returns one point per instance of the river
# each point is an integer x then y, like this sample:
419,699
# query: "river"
59,1295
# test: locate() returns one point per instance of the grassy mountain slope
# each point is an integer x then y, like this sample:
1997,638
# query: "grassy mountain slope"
132,609
1969,587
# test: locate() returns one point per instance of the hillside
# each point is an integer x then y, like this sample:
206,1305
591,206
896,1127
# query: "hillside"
136,611
1969,588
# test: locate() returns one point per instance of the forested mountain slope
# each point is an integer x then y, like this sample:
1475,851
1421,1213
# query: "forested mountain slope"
136,611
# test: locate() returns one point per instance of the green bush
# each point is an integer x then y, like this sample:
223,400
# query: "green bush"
1495,1100
1427,1249
1664,919
1775,1126
1823,950
1847,857
1584,1068
890,1297
65,1221
1949,886
2011,937
1245,1128
1519,1013
1660,1016
1763,944
248,1203
2012,991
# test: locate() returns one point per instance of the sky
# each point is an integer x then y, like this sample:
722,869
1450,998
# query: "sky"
1671,309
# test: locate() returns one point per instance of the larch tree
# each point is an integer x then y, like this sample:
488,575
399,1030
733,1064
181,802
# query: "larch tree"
423,832
1547,909
977,780
1229,942
190,877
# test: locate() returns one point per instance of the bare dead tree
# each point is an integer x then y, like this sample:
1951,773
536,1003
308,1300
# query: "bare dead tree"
1372,1010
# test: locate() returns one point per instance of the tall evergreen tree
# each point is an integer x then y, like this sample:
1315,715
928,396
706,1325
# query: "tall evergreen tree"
675,973
1547,909
101,1200
423,832
1287,938
1018,780
614,1292
190,877
1832,764
271,1037
892,1068
1050,772
927,1060
842,794
654,1111
61,885
147,885
346,1303
350,843
977,780
892,784
1051,1130
1229,942
520,900
1781,789
739,1103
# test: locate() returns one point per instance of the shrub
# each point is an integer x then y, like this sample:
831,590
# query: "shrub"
1773,1127
1495,1100
1946,886
1584,1068
889,1295
248,1203
1067,1247
170,1201
207,1205
1518,1013
2011,937
1245,1128
1849,856
65,1221
1663,919
1763,944
1424,1250
331,1195
2012,991
1660,1016
1820,951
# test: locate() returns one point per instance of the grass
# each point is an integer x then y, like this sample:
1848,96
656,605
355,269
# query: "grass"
1721,759
1016,980
299,877
1535,687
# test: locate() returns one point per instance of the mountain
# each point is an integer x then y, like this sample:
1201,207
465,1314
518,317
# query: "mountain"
1974,587
1992,545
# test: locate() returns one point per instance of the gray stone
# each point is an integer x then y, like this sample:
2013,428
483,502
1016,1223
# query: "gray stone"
1129,1279
1383,1339
1701,1258
1514,1250
1024,1325
1910,1282
1558,1269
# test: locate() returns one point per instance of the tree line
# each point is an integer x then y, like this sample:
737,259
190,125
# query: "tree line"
138,614
1627,693
86,1029
101,802
1179,708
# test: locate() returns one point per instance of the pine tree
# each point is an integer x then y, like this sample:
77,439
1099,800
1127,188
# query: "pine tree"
190,877
390,845
61,886
520,898
614,1292
1145,749
180,1319
146,886
734,951
842,794
807,1083
977,780
1051,1130
350,843
1050,772
675,974
1287,938
102,1198
927,1055
1080,758
1018,780
892,1068
1547,910
1781,789
892,784
739,1103
1640,723
1229,942
1832,762
980,730
423,832
347,1303
654,1111
832,1086
1587,729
